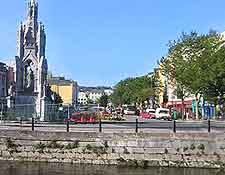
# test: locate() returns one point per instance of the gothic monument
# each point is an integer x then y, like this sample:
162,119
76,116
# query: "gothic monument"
31,64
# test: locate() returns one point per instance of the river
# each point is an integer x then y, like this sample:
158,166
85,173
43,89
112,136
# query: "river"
19,168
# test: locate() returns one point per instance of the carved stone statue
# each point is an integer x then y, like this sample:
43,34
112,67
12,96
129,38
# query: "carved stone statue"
29,77
29,40
10,90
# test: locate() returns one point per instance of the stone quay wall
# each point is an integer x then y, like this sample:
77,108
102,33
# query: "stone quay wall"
142,149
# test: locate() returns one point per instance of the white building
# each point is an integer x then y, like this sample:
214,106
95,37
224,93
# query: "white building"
82,98
93,94
108,91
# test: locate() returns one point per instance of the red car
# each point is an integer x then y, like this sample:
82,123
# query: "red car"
148,114
83,117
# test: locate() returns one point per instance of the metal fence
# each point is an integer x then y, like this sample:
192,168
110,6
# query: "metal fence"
26,112
25,117
118,126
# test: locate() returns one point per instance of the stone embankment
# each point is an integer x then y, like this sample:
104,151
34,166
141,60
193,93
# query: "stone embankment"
142,149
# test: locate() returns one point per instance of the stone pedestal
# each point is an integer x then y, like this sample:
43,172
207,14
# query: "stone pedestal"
43,109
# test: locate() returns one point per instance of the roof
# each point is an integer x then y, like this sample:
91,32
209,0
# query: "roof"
94,89
61,82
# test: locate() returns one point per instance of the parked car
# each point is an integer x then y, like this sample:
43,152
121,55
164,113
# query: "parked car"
130,110
148,114
83,116
163,114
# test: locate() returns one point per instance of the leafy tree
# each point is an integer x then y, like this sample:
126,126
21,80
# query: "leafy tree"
191,63
145,94
215,86
103,101
133,90
56,98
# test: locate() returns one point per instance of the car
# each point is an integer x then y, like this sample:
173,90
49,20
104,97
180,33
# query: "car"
151,113
83,116
163,114
130,110
148,114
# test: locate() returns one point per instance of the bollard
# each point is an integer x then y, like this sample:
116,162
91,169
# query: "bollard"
136,129
174,126
67,126
100,125
32,123
21,120
209,126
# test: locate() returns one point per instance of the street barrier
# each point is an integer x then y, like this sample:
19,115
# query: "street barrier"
117,126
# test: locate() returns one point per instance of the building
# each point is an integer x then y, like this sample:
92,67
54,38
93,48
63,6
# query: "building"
66,89
7,86
92,94
82,98
31,64
161,92
3,80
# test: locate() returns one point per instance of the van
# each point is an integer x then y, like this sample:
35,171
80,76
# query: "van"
162,114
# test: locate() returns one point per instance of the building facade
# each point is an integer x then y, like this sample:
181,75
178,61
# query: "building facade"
7,86
3,80
66,89
82,98
31,64
92,94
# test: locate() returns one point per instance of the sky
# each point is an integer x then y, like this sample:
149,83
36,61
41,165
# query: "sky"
100,42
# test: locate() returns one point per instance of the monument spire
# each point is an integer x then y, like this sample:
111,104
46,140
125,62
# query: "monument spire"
32,13
31,64
33,2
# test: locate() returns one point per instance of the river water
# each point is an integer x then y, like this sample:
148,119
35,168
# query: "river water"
19,168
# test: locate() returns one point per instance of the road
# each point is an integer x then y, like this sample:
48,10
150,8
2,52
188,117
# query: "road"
128,126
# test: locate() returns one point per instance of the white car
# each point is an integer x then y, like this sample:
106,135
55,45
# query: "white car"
162,113
150,111
130,110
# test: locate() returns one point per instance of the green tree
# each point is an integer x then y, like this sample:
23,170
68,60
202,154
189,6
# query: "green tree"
189,63
133,90
56,98
103,100
215,86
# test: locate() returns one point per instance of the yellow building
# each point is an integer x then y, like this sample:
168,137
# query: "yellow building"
161,84
67,89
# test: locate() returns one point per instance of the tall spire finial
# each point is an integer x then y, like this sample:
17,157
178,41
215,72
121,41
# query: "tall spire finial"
33,2
32,13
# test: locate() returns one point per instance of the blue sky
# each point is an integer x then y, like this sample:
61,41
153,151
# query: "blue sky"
100,42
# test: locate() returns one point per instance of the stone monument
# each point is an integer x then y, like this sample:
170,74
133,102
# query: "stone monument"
31,64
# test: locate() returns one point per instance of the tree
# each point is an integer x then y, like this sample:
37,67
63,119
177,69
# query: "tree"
103,101
56,98
145,94
133,90
189,63
215,87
